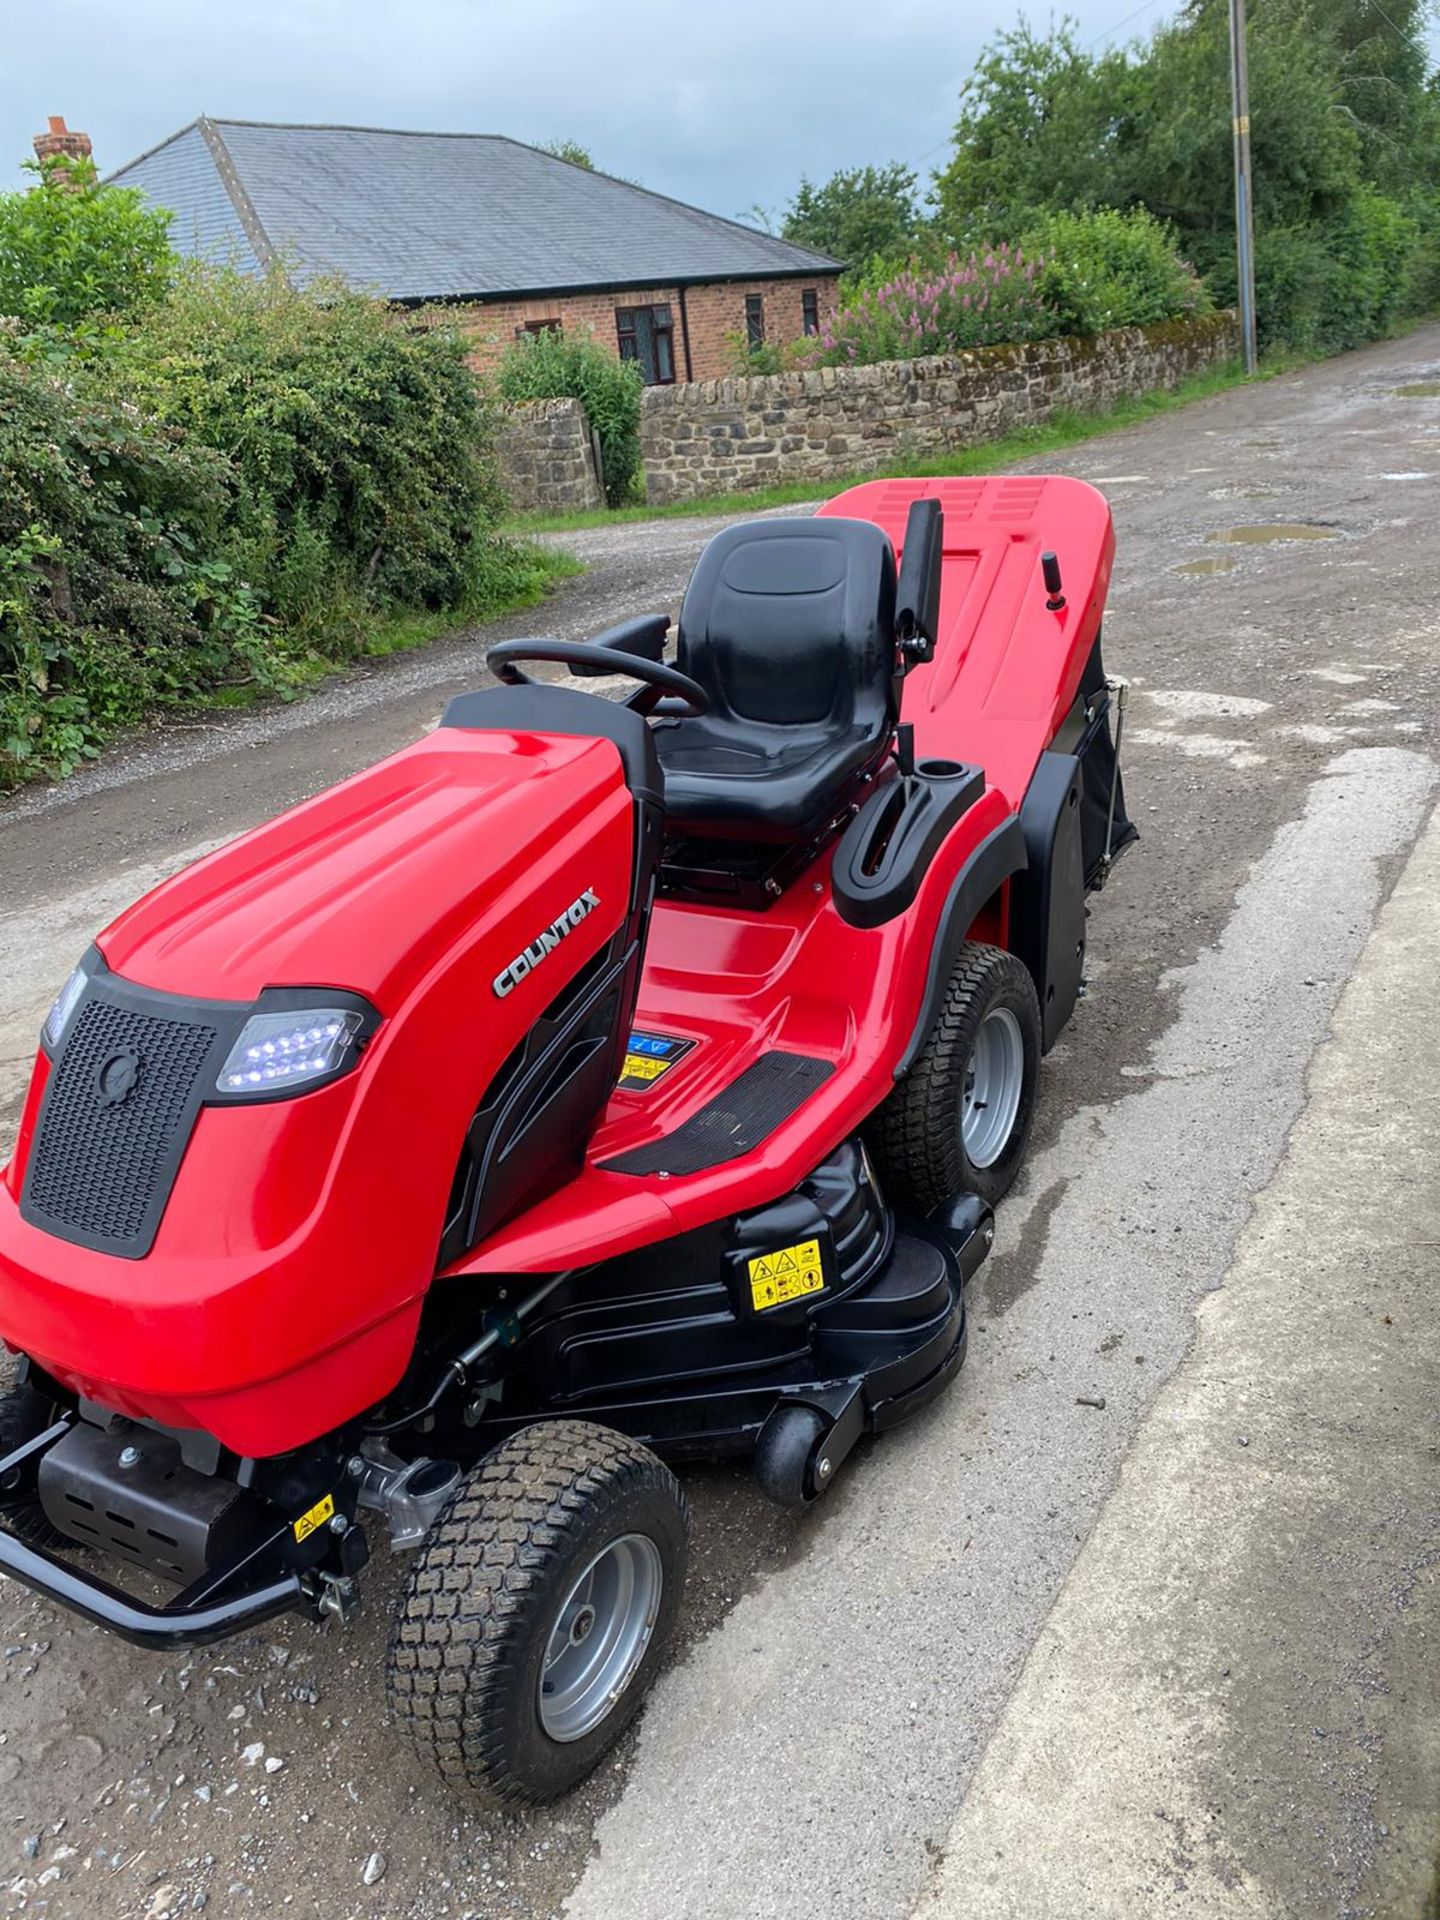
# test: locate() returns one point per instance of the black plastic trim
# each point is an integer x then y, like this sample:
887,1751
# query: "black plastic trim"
999,855
870,886
642,637
1047,911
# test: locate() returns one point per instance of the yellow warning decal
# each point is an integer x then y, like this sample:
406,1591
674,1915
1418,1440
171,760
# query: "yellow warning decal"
637,1067
322,1511
787,1274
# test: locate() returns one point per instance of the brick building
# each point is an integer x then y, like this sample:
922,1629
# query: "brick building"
517,238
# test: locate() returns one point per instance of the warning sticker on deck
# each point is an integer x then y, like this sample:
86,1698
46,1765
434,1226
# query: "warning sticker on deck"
649,1057
322,1511
787,1274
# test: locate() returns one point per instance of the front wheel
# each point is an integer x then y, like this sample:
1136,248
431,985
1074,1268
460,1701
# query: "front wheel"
960,1119
24,1414
537,1611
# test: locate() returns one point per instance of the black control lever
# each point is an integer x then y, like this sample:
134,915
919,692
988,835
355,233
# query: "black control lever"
1050,568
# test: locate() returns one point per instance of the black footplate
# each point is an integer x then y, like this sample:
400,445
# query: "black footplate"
736,1120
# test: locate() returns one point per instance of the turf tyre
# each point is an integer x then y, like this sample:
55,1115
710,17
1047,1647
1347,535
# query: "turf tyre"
23,1414
916,1137
468,1644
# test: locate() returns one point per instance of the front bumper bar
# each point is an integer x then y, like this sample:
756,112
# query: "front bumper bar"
182,1622
210,1609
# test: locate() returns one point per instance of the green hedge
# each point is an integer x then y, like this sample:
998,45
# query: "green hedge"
360,438
231,489
114,592
551,365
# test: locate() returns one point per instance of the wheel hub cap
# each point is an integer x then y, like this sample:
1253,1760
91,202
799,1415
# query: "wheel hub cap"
599,1637
994,1079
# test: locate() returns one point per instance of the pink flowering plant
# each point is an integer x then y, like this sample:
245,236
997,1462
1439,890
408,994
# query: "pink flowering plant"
982,299
1074,274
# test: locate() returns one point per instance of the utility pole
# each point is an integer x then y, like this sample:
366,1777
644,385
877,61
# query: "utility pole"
1244,196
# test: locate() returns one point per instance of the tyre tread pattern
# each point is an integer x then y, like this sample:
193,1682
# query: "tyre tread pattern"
465,1604
914,1137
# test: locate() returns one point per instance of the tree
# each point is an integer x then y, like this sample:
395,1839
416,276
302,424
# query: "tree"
570,150
1305,149
71,248
1043,128
857,215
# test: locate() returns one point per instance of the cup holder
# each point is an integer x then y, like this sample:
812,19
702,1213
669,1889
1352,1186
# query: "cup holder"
941,769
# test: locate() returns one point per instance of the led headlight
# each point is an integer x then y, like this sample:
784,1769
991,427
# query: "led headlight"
59,1016
284,1052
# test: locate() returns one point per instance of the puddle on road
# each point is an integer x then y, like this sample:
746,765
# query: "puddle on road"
1215,563
1266,535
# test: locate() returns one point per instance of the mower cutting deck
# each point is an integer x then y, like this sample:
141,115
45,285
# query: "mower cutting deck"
591,1084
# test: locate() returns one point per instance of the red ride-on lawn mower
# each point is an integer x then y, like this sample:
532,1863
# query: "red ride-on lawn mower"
589,1086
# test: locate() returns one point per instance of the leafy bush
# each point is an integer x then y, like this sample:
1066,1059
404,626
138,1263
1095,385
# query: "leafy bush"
358,436
113,594
552,365
1109,269
71,248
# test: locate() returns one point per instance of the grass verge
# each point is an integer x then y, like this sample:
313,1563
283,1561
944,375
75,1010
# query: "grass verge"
1061,430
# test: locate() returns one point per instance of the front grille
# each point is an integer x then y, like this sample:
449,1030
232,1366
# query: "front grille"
100,1169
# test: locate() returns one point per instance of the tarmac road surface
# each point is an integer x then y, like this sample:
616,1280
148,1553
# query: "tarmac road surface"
1030,1657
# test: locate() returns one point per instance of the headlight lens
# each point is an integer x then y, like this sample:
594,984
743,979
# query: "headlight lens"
283,1052
66,1001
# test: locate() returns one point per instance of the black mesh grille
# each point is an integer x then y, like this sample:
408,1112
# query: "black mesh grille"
101,1172
735,1122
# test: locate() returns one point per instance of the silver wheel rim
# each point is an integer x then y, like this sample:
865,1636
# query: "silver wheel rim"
600,1635
994,1077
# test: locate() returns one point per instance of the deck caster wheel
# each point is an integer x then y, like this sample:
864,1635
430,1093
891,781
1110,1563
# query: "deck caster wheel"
791,1466
960,1119
537,1611
23,1414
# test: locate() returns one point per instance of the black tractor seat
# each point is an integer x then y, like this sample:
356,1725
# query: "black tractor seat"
789,626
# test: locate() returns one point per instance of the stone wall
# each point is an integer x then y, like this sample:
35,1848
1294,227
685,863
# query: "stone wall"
718,436
546,461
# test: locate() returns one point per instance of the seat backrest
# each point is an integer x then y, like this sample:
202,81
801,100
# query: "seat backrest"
792,622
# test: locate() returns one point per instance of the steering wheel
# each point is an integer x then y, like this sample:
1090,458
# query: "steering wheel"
687,698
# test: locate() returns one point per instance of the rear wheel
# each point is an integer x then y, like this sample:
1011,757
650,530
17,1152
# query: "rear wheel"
960,1119
23,1414
537,1611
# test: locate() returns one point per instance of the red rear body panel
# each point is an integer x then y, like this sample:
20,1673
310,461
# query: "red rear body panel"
284,1288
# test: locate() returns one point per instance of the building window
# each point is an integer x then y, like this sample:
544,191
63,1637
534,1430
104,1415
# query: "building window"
754,321
810,310
647,335
551,325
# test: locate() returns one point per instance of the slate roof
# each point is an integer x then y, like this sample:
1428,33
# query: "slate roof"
437,216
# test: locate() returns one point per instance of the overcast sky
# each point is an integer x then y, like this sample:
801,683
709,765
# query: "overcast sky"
724,105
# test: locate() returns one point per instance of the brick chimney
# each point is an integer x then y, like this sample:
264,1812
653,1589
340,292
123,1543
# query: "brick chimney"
59,143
